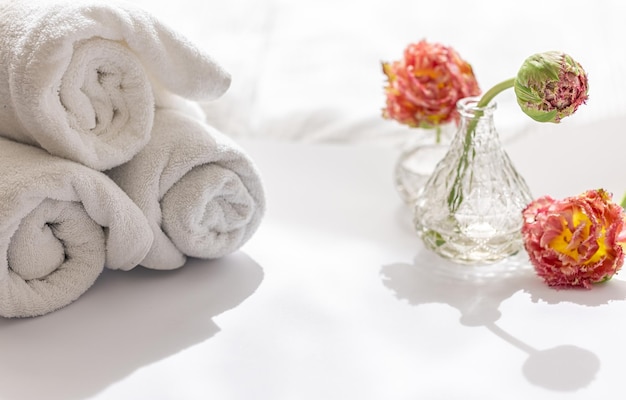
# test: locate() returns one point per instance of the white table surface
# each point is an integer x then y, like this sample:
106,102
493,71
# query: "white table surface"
335,298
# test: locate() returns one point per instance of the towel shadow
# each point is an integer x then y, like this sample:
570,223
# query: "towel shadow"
478,292
125,321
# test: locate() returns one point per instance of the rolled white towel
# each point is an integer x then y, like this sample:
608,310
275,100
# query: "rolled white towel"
81,78
60,224
202,194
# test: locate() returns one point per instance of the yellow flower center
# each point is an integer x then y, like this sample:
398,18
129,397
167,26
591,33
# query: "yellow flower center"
426,72
563,242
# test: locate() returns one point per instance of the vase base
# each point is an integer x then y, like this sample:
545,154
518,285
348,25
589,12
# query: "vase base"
514,265
472,250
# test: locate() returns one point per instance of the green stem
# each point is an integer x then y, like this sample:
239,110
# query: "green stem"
455,197
623,203
491,93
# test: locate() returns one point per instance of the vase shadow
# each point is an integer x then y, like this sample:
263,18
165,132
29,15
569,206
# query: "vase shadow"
477,294
475,291
125,321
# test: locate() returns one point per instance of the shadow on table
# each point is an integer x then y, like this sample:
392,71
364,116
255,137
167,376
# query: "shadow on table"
477,294
125,321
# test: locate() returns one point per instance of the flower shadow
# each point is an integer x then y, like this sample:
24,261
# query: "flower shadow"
560,368
125,321
600,294
478,292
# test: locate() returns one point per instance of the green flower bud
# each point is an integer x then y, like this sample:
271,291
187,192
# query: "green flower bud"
550,86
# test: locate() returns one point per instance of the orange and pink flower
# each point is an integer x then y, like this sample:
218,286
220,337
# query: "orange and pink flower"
424,87
576,241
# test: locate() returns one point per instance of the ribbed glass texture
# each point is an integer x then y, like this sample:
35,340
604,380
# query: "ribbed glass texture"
470,208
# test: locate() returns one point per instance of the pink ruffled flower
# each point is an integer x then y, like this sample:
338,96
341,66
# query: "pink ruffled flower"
424,87
576,241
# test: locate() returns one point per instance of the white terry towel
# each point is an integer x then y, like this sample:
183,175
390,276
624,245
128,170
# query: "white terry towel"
60,224
80,78
201,192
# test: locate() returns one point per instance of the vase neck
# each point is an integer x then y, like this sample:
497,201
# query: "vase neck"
469,110
476,122
468,107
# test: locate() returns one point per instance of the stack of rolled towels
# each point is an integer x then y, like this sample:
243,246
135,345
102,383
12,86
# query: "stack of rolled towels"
106,160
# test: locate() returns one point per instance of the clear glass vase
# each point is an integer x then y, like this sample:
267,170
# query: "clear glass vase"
418,159
469,210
